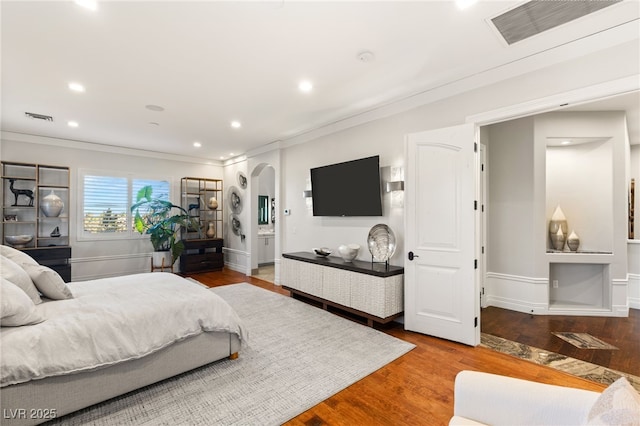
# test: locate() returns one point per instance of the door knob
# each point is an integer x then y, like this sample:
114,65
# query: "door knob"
411,255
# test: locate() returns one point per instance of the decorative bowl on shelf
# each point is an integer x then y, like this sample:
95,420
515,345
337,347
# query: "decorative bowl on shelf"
11,217
348,252
18,241
322,251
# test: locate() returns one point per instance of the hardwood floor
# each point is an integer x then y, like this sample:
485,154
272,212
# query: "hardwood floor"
536,330
417,388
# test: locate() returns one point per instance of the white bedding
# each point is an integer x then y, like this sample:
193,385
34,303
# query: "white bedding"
111,320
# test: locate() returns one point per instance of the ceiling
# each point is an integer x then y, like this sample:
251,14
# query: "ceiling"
207,63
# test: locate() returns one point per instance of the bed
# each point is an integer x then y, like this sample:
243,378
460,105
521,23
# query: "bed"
105,337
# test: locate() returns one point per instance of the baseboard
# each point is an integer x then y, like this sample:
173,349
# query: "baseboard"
633,292
517,293
531,295
236,260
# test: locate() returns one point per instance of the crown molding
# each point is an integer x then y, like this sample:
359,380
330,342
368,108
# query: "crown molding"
89,146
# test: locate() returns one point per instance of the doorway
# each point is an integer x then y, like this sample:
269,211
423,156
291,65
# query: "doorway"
535,330
264,222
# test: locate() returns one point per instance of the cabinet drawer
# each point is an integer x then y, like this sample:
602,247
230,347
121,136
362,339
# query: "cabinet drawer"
201,262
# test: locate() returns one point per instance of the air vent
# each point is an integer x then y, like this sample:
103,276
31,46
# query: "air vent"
538,16
35,116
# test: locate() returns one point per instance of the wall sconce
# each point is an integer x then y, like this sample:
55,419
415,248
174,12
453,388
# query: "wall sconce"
307,193
397,185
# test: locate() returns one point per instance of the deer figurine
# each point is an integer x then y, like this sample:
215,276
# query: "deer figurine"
17,192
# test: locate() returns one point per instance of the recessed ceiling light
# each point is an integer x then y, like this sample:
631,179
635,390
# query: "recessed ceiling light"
565,143
72,123
305,86
87,4
236,124
197,144
76,87
463,4
222,157
154,108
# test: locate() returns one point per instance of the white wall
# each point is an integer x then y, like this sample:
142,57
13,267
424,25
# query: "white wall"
510,239
236,246
91,259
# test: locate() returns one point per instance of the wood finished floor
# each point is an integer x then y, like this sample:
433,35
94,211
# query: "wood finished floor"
536,330
415,389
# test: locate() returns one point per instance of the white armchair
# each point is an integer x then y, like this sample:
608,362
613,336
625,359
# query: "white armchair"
482,398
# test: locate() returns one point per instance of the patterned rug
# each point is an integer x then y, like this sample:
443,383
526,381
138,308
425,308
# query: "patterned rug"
297,357
584,341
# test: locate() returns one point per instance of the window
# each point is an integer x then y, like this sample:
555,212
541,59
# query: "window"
105,200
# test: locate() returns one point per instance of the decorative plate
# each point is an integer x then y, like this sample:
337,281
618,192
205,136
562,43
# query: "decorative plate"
236,226
235,200
381,242
242,180
322,251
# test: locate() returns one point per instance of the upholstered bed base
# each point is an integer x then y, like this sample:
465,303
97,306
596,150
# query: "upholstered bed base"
27,403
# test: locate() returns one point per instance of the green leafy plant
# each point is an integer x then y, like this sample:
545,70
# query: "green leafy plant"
153,216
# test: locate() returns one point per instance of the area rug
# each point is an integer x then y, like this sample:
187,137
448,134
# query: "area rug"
298,356
584,341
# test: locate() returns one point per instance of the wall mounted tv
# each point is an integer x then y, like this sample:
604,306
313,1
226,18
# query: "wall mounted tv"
351,188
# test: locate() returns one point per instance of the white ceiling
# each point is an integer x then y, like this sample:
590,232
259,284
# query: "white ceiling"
208,63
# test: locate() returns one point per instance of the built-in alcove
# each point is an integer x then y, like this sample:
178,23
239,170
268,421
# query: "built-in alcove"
579,286
529,173
579,179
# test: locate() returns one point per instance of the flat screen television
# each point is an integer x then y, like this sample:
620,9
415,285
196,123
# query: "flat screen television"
351,188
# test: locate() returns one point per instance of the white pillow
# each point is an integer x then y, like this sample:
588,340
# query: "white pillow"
618,405
48,282
12,272
16,309
16,255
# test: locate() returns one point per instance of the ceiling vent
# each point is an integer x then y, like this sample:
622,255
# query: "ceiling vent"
537,16
35,116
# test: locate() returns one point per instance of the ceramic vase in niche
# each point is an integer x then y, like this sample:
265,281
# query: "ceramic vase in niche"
557,223
211,230
51,205
557,240
573,241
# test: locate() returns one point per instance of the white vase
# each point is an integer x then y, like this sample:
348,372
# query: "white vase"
558,225
51,205
573,242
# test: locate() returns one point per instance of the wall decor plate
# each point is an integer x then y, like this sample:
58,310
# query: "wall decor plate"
236,226
381,242
235,200
242,180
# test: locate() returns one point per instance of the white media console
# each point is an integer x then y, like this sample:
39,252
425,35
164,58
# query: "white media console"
372,291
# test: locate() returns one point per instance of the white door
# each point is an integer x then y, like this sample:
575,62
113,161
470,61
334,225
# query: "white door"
441,285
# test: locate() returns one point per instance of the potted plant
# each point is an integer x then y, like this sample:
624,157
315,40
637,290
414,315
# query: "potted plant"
154,216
